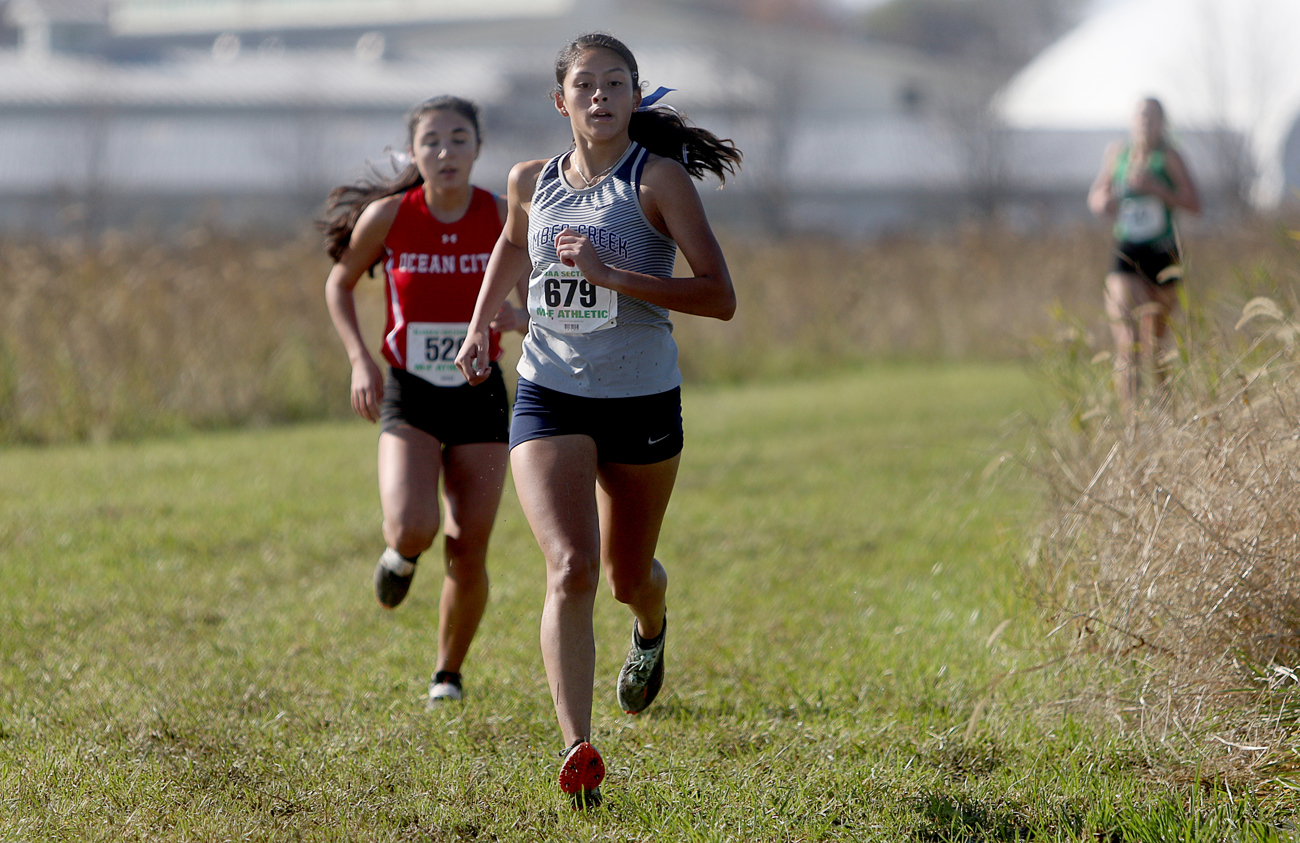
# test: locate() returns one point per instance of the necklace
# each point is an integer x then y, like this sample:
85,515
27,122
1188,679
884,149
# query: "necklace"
589,182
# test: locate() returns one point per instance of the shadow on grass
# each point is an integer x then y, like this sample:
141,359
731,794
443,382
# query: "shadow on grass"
945,819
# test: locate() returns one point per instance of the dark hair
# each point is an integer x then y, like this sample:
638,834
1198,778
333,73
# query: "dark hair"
345,203
659,129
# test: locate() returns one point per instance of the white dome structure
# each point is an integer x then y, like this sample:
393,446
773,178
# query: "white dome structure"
1214,64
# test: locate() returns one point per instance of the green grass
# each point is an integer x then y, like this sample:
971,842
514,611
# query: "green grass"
191,650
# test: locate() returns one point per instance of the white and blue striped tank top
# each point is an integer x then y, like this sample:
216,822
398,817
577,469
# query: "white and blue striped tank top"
633,352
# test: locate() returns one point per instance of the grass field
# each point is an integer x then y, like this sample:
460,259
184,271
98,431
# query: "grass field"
191,650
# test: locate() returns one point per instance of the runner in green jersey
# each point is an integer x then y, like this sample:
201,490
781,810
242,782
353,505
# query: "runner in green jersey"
1140,183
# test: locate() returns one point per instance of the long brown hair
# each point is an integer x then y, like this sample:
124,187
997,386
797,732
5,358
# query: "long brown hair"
659,129
346,202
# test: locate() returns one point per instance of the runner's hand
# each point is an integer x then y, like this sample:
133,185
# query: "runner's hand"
367,389
511,318
473,358
575,249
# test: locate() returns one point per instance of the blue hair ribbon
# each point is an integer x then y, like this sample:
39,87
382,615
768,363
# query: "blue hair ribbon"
653,98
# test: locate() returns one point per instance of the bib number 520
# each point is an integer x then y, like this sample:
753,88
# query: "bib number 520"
431,349
442,349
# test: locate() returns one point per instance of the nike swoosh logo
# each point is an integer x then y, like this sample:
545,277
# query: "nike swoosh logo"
660,439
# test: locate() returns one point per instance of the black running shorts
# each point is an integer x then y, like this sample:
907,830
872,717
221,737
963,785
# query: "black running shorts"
640,430
1148,261
454,415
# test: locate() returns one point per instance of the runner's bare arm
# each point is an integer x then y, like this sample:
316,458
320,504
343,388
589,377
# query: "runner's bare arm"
507,266
1101,196
1184,194
509,317
364,248
673,206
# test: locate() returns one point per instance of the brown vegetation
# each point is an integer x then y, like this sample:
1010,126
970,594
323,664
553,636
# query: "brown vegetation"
128,336
1171,563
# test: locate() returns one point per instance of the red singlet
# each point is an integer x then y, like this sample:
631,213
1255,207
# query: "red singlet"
434,273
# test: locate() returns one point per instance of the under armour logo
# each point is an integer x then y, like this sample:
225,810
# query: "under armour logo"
449,238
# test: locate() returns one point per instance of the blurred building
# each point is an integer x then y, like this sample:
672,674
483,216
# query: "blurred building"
167,113
1227,72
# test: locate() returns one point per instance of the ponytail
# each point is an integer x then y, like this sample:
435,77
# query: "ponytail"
346,203
659,129
665,133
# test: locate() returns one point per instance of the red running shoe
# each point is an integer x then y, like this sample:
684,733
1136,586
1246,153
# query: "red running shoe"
581,774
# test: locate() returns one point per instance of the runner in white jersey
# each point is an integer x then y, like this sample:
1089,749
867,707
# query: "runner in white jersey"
588,340
596,436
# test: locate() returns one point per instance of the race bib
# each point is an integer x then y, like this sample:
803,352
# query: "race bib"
431,349
1141,218
563,301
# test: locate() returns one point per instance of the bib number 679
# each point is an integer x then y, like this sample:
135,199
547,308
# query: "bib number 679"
556,297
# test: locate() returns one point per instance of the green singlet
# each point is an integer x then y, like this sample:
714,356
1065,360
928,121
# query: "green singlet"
1141,217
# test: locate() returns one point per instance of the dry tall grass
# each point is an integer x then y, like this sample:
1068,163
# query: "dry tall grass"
976,293
130,336
127,337
1171,565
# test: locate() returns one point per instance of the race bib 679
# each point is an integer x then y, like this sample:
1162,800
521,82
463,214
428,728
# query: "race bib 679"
561,299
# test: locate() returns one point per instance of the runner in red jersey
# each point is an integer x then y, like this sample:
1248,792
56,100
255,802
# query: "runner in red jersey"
434,271
434,233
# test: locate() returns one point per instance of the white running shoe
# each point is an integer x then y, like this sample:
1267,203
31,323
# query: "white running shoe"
440,691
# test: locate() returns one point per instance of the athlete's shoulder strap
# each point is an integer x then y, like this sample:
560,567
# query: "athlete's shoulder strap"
481,198
1120,164
410,197
550,170
633,165
409,208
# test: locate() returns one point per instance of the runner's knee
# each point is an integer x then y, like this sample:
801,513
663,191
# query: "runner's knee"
627,585
572,572
411,534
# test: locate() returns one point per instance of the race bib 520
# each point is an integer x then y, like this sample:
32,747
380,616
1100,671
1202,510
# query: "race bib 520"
563,301
431,349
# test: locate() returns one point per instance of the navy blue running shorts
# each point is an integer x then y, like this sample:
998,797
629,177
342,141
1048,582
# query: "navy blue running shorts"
640,430
454,415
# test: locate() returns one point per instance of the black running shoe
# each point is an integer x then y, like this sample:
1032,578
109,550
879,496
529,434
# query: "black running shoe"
642,673
393,577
